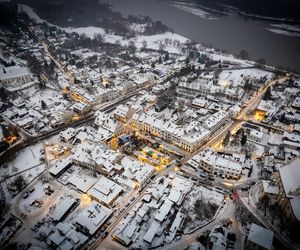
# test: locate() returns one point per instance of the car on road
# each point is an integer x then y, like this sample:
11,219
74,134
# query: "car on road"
25,195
211,178
34,229
105,234
177,238
203,175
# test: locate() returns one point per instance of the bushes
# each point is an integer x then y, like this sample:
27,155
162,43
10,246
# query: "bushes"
204,210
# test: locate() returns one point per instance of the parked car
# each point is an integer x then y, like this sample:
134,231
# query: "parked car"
25,195
105,234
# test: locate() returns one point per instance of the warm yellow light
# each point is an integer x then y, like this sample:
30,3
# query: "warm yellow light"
224,83
227,184
11,139
259,115
75,117
85,199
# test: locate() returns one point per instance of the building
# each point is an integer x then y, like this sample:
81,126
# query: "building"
270,189
289,191
66,237
81,108
63,208
191,90
256,135
67,135
105,191
259,238
217,120
135,174
188,138
221,165
126,87
96,158
60,166
107,126
141,80
123,113
218,237
92,218
14,77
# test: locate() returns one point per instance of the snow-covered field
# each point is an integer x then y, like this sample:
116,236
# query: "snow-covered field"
153,42
229,58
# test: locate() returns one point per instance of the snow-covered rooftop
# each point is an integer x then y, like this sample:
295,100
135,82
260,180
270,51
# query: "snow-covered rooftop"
105,190
93,217
261,236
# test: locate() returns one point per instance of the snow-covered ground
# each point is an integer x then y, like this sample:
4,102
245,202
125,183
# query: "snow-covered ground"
25,159
48,96
153,42
229,58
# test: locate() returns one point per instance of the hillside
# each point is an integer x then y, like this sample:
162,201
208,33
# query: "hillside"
83,13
